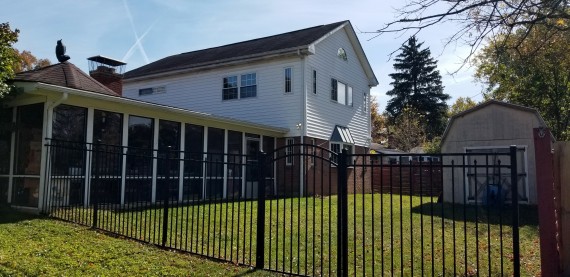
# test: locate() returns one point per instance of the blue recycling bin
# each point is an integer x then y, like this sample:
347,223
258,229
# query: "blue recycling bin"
495,196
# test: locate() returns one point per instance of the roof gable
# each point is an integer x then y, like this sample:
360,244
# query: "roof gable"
290,42
64,74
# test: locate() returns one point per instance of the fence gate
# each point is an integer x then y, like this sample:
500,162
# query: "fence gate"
302,214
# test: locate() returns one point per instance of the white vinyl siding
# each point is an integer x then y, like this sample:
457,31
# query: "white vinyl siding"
201,92
324,113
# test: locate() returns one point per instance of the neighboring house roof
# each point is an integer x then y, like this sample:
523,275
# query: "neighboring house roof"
488,103
417,150
296,42
64,74
379,149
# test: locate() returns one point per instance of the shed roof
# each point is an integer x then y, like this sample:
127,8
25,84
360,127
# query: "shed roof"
487,104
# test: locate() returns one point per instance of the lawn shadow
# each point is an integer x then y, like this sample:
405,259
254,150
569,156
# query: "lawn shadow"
9,215
528,215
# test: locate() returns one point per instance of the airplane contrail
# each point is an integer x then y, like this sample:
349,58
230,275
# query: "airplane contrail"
137,39
136,44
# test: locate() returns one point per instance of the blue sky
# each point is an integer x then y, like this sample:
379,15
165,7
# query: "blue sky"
139,32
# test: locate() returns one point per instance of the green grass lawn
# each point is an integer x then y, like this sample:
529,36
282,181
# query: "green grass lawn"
37,246
386,234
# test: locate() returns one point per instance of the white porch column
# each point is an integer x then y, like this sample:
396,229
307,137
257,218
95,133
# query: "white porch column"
182,155
125,144
89,157
155,159
225,173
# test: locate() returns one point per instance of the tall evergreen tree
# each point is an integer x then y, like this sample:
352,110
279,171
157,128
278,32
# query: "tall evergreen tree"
417,85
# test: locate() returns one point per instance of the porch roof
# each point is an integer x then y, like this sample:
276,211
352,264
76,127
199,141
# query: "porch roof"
38,87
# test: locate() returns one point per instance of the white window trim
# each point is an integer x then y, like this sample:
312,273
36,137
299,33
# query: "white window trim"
313,151
341,145
285,80
239,85
160,89
314,81
289,151
346,93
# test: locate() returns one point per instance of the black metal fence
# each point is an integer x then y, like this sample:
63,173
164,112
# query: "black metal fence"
301,209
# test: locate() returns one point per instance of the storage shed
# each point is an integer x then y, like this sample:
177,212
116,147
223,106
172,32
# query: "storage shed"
490,129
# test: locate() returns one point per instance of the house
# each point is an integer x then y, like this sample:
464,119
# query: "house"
315,82
208,107
489,129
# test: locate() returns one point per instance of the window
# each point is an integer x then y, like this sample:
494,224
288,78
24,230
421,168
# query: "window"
365,102
289,151
288,80
248,86
337,147
341,93
230,90
314,81
149,91
342,54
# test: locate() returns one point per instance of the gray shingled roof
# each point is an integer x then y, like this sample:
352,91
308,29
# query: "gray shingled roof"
236,51
64,74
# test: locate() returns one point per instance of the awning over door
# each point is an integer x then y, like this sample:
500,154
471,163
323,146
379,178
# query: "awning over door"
342,134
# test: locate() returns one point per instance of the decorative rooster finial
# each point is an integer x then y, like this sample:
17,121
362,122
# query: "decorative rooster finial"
60,52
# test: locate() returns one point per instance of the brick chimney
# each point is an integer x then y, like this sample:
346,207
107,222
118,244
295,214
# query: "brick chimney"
108,72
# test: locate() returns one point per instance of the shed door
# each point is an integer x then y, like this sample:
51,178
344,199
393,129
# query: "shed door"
496,182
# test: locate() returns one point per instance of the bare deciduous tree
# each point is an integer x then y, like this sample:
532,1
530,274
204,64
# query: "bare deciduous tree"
481,19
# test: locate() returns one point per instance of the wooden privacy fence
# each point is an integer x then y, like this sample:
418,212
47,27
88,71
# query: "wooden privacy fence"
414,178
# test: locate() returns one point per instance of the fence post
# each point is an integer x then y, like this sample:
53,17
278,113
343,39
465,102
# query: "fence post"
515,204
165,198
548,231
342,211
260,243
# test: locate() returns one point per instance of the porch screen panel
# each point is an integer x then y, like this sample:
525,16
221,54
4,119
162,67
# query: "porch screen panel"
168,159
3,190
69,157
5,140
215,163
107,156
193,162
139,159
29,122
235,144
